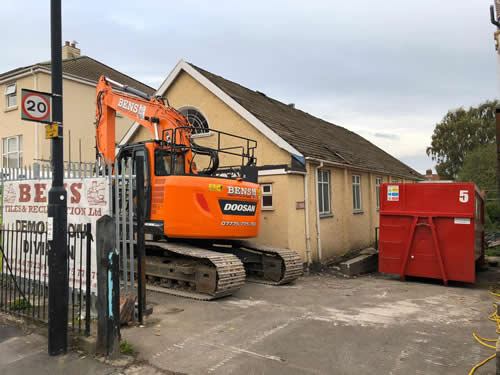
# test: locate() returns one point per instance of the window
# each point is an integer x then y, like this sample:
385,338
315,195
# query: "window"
356,192
12,152
267,196
324,192
196,119
395,180
378,181
11,95
165,162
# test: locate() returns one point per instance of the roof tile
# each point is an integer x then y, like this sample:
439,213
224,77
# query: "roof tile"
312,136
90,69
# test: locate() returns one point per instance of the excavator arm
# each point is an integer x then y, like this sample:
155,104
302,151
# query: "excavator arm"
149,112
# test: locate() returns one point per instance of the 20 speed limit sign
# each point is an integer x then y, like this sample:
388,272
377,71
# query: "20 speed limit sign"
35,106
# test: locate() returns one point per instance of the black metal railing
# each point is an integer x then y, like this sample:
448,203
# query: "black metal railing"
24,272
244,151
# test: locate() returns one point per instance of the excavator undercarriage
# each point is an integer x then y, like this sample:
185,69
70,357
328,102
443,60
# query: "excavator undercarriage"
216,270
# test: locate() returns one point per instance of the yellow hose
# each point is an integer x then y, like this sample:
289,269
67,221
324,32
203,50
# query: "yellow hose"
481,363
480,340
494,317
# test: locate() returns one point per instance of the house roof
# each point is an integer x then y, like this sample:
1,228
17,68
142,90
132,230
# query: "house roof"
312,136
291,129
86,68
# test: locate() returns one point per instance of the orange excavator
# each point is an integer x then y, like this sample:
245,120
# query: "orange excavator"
200,220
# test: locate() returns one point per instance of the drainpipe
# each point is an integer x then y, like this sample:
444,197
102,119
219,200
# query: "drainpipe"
35,84
306,213
318,229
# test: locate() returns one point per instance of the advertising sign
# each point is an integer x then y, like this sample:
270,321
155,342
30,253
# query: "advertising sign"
25,209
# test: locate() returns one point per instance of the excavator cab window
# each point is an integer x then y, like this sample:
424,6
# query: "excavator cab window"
132,153
169,163
141,151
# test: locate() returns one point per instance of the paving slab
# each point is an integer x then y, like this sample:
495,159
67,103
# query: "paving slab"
322,324
24,352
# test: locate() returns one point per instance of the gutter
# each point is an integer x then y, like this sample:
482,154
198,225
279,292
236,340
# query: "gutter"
35,69
35,85
16,76
349,166
318,224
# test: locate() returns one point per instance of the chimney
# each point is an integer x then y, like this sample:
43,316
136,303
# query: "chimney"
428,172
70,51
291,105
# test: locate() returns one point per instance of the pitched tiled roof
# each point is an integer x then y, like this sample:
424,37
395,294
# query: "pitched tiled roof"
312,136
89,69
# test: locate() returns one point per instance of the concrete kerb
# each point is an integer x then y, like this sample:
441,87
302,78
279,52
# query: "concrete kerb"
79,344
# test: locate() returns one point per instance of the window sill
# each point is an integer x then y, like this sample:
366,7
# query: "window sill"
202,135
358,212
267,208
8,109
324,216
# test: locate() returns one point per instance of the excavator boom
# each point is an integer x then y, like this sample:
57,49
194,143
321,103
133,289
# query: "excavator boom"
149,112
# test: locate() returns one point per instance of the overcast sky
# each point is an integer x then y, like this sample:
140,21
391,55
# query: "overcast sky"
388,70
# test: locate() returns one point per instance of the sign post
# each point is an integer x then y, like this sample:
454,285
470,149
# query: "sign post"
57,209
36,106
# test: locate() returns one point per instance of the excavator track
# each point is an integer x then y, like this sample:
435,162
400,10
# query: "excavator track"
266,265
189,271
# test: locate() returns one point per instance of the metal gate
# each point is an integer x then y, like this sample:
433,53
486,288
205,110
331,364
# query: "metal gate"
128,205
124,187
24,249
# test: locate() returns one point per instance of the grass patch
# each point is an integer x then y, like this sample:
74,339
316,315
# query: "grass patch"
126,347
493,251
19,304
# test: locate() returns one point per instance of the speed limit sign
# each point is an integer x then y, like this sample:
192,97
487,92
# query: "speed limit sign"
35,106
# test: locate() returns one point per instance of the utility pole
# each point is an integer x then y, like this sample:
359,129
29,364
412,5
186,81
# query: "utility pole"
57,210
495,21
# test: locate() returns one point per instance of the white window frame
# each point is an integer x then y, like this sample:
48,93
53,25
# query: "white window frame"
267,194
203,132
378,182
320,189
18,152
10,92
357,204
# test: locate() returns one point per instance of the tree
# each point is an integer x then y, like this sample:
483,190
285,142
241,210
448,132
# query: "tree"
460,132
480,167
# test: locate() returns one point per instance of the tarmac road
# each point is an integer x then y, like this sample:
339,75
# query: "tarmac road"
323,324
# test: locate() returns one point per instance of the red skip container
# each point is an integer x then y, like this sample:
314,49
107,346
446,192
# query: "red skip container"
433,230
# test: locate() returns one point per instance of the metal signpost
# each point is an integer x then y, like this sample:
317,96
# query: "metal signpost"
36,106
57,209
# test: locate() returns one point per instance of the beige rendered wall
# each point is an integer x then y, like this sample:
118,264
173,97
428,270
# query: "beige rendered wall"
78,119
346,230
185,91
10,119
275,223
296,216
284,225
